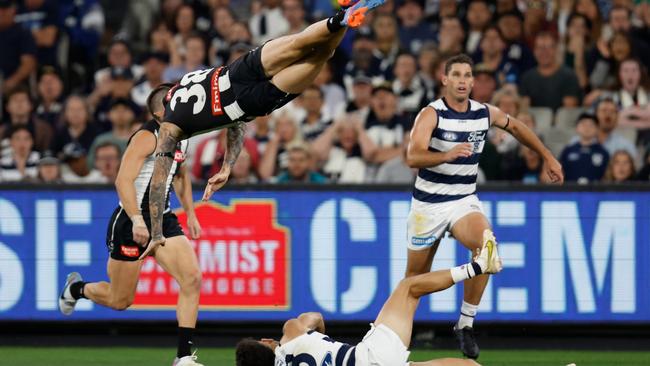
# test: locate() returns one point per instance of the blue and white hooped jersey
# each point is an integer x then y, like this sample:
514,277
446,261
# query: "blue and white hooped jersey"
457,179
314,349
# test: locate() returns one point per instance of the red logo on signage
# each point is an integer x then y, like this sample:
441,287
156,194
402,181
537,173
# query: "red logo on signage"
132,252
216,94
244,256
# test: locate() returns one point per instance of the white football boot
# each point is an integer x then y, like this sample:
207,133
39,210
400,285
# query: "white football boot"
66,301
488,258
187,361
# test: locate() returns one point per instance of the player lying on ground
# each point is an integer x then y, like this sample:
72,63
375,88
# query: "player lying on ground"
446,143
253,85
128,231
304,343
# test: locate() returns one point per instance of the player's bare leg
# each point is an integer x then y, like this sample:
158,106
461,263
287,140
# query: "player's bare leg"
419,261
119,293
178,259
469,231
168,136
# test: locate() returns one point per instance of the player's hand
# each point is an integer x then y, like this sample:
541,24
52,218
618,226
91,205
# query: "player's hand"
216,182
194,227
139,230
552,171
153,244
464,150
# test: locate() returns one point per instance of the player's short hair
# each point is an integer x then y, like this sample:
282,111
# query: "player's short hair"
250,352
156,99
458,59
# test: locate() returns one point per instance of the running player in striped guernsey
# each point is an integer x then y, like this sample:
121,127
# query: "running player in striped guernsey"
128,230
447,140
304,342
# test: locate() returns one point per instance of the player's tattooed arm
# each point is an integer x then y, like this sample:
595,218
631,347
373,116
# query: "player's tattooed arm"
235,143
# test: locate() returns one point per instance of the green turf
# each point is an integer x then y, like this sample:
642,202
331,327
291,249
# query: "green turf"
78,356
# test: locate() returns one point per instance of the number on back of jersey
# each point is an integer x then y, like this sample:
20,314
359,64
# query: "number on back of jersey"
194,92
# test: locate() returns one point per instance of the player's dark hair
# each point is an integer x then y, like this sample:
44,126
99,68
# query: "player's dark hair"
156,99
458,59
250,352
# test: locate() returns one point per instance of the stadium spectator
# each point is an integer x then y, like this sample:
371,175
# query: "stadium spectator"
75,168
119,56
315,122
550,84
22,161
606,59
576,46
585,160
491,54
18,59
411,90
154,64
76,127
299,166
620,21
275,159
184,28
535,20
485,84
19,108
118,87
427,57
223,19
41,18
385,29
268,23
294,12
509,102
334,94
262,132
361,97
121,116
243,171
620,168
49,170
530,168
589,9
193,59
511,26
160,38
478,18
211,151
633,88
451,38
345,149
137,23
395,170
505,6
383,125
607,115
50,96
362,62
414,31
107,160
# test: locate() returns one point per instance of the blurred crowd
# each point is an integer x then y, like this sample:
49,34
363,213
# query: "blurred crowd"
75,75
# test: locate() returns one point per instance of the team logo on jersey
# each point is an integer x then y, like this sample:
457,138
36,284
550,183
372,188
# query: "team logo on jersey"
216,94
244,256
597,159
449,136
179,157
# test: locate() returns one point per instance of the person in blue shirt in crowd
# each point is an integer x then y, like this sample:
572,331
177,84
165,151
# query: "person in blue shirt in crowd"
41,19
586,160
299,167
18,49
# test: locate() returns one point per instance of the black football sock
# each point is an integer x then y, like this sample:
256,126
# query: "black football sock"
184,342
77,290
334,22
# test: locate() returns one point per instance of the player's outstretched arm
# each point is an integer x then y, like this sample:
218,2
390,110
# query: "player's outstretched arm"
552,168
234,144
183,189
418,154
168,137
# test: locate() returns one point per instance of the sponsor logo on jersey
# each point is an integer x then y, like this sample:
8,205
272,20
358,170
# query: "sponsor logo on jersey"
243,254
423,240
216,94
476,136
131,252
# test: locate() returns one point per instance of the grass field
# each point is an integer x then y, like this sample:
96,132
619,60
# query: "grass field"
118,356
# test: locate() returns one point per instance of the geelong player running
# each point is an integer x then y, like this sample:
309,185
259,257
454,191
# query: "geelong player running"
446,142
304,343
253,85
128,232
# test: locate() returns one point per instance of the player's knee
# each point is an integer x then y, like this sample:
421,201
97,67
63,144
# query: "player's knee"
192,280
121,303
406,285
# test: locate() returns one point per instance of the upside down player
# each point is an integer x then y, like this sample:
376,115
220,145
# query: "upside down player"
128,231
446,142
304,343
253,85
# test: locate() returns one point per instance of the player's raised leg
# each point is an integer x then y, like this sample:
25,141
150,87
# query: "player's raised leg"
419,261
179,260
472,231
117,294
399,310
